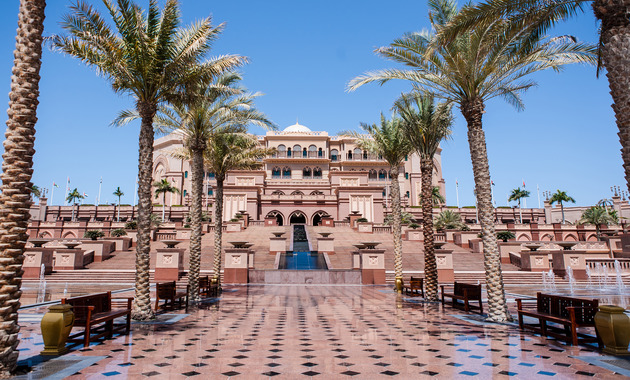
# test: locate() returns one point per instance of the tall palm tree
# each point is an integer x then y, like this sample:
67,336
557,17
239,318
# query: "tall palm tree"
477,66
229,149
561,196
36,191
161,188
222,105
389,141
598,215
151,57
426,125
516,195
73,197
17,169
540,15
118,193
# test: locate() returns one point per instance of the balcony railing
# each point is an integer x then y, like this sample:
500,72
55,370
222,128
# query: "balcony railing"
363,157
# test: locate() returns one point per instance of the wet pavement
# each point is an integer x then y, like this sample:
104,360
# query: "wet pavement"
327,332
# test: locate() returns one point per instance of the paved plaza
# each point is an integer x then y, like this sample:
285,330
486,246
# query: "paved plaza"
326,332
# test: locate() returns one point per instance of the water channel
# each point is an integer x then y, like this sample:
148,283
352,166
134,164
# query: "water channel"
301,258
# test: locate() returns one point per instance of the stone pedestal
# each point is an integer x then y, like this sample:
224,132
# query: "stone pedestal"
123,243
236,266
233,227
372,266
169,264
271,222
328,222
182,233
33,260
277,245
326,245
535,261
366,227
444,261
102,248
570,258
68,259
245,218
414,235
353,220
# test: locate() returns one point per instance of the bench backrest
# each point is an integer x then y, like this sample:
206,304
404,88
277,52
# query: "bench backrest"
416,281
204,282
100,301
474,291
165,290
557,306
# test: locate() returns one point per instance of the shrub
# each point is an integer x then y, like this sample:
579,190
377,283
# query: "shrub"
233,220
93,234
505,235
414,226
118,232
131,225
362,220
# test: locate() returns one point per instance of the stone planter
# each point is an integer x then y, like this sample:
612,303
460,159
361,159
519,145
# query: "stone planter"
56,326
613,326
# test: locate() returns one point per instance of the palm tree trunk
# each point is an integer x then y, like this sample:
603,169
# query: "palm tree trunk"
142,300
118,211
164,205
430,266
15,200
615,38
497,305
562,209
520,210
74,205
195,223
396,228
218,229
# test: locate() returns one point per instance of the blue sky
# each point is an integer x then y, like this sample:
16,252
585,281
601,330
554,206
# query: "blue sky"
302,55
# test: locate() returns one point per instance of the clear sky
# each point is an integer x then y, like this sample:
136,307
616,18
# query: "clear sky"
302,55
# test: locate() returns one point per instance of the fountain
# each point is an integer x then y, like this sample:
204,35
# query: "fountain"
589,275
571,279
619,280
551,278
41,291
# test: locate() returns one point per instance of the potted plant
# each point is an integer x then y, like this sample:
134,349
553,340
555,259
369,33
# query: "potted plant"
118,232
93,234
505,235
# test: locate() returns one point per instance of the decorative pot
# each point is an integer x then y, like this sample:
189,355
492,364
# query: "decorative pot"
613,326
56,326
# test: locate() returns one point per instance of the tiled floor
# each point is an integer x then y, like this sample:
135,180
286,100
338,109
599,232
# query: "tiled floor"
327,332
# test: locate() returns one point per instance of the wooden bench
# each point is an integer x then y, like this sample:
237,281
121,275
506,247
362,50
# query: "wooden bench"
415,284
167,292
571,313
464,292
206,288
95,315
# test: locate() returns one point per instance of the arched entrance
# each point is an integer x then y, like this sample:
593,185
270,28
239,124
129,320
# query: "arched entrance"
317,217
277,215
297,217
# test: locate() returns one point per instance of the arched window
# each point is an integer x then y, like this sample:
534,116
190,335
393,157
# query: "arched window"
286,172
312,151
334,155
210,175
282,151
406,175
210,192
304,152
185,192
316,192
384,192
320,153
407,194
382,175
297,149
275,172
350,155
289,152
186,174
297,192
317,172
365,155
357,153
372,175
278,192
306,172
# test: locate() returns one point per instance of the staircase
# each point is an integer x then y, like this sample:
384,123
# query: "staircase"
101,276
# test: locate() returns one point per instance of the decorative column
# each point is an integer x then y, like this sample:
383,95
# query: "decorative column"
372,266
277,243
444,262
169,262
236,266
353,219
325,243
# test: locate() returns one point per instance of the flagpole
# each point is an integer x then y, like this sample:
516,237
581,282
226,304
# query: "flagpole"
538,191
52,194
457,192
524,199
135,192
98,199
494,202
65,196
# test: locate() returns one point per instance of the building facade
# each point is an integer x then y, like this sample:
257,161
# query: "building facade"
311,175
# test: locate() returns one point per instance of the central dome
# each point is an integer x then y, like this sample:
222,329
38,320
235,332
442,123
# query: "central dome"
297,128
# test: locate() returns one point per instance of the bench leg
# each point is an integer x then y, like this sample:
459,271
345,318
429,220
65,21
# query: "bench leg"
574,337
520,321
109,328
86,334
466,306
543,326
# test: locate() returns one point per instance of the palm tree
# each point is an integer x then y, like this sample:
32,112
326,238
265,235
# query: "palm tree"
17,169
73,197
477,66
448,220
118,193
221,105
605,202
597,215
161,188
149,56
540,15
389,141
516,195
229,149
426,125
36,191
561,196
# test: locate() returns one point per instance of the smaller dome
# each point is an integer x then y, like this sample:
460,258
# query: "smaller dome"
297,128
